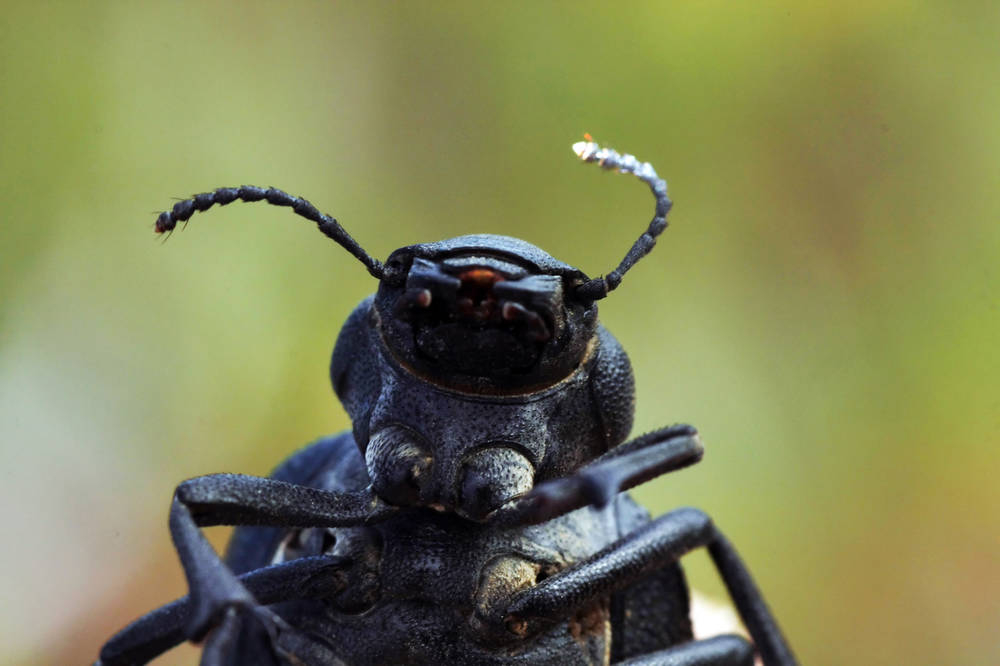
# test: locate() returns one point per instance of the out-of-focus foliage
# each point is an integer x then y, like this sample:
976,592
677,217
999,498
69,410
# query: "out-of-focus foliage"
825,305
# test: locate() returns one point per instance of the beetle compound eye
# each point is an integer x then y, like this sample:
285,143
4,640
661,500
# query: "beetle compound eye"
399,466
492,477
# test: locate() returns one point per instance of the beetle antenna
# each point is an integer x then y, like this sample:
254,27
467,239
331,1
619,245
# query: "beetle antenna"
183,210
607,158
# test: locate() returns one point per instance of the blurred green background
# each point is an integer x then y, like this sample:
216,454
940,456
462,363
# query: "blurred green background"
825,306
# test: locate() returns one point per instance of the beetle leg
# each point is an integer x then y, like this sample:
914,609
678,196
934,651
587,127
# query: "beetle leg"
227,499
728,650
158,631
628,465
631,558
238,499
214,588
246,500
236,642
241,639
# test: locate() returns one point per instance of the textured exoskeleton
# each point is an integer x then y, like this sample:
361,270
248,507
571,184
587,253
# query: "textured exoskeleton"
474,514
557,390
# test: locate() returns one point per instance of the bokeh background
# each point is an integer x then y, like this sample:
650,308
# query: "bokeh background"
825,306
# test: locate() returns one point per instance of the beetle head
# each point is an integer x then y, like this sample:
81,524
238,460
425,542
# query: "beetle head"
483,315
494,313
484,312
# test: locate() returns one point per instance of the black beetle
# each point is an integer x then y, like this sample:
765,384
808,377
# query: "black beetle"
489,409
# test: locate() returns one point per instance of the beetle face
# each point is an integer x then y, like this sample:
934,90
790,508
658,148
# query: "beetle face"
480,314
470,312
469,366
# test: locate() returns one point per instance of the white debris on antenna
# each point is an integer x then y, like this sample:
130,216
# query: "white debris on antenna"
609,158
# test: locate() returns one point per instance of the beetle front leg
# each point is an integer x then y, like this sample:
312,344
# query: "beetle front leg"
214,589
158,631
631,558
216,594
246,500
596,483
234,643
239,499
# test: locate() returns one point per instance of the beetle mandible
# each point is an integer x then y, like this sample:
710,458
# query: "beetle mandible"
450,525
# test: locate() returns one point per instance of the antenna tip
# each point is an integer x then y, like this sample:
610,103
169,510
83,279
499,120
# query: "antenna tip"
585,149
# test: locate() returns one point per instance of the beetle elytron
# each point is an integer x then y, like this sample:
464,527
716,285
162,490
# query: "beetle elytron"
450,525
